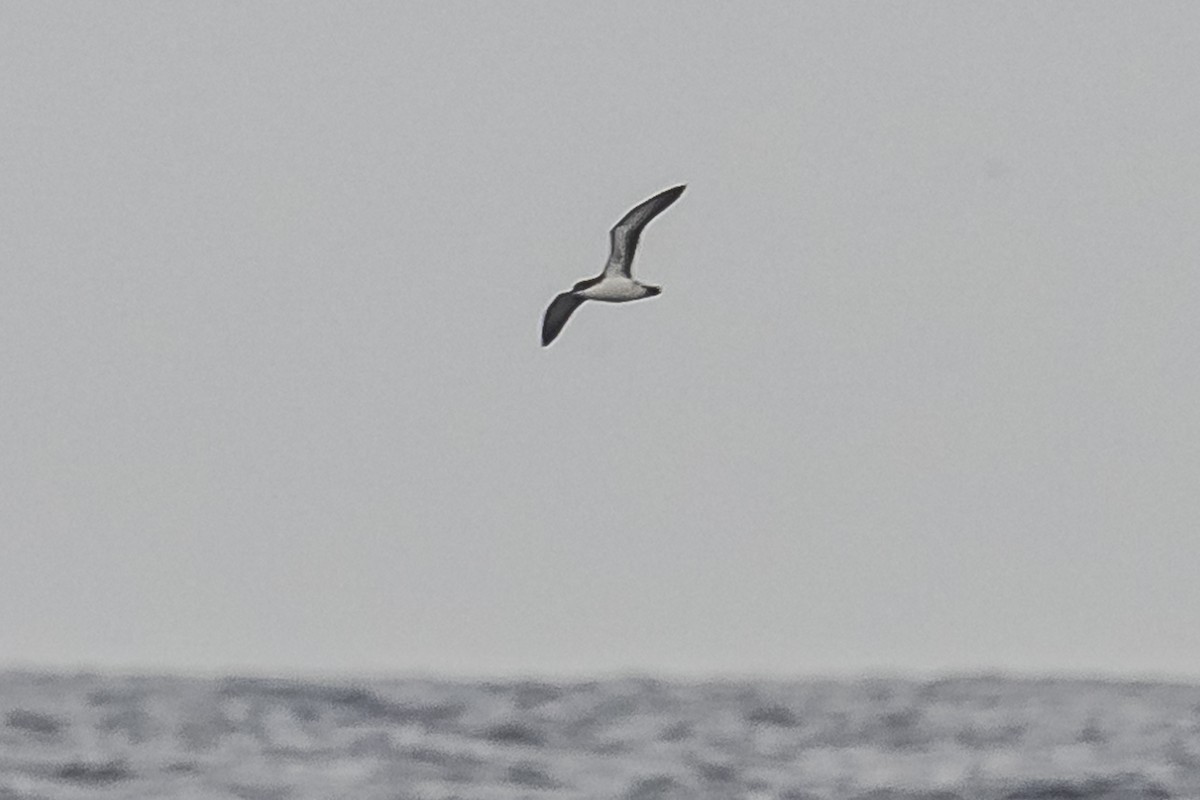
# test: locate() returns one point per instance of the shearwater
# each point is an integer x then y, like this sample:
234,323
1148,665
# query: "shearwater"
616,283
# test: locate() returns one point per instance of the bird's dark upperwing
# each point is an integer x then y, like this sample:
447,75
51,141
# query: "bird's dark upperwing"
557,314
625,233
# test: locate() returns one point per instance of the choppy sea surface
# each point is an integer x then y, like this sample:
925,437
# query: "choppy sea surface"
89,736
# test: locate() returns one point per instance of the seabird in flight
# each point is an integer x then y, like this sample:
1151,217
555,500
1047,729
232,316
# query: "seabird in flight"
615,284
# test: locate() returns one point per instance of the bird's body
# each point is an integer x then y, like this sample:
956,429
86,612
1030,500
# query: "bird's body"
616,289
616,283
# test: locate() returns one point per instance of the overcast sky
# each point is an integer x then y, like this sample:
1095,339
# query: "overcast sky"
921,393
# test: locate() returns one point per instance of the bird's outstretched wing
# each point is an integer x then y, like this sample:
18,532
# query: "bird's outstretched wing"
625,233
557,314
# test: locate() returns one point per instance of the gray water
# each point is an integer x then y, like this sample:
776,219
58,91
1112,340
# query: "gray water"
76,736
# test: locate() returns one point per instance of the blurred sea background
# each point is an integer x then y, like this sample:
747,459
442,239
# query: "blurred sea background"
65,735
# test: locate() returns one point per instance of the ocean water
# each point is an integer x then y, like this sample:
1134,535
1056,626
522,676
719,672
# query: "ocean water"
89,736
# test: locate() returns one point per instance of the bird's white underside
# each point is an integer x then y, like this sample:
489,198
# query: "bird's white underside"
615,289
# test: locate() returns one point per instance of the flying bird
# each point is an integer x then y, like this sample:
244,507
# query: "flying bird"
615,284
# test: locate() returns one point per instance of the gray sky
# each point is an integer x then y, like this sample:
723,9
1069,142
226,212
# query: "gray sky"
920,392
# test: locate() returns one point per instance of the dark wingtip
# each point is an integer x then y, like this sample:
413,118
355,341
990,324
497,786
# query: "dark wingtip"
667,196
